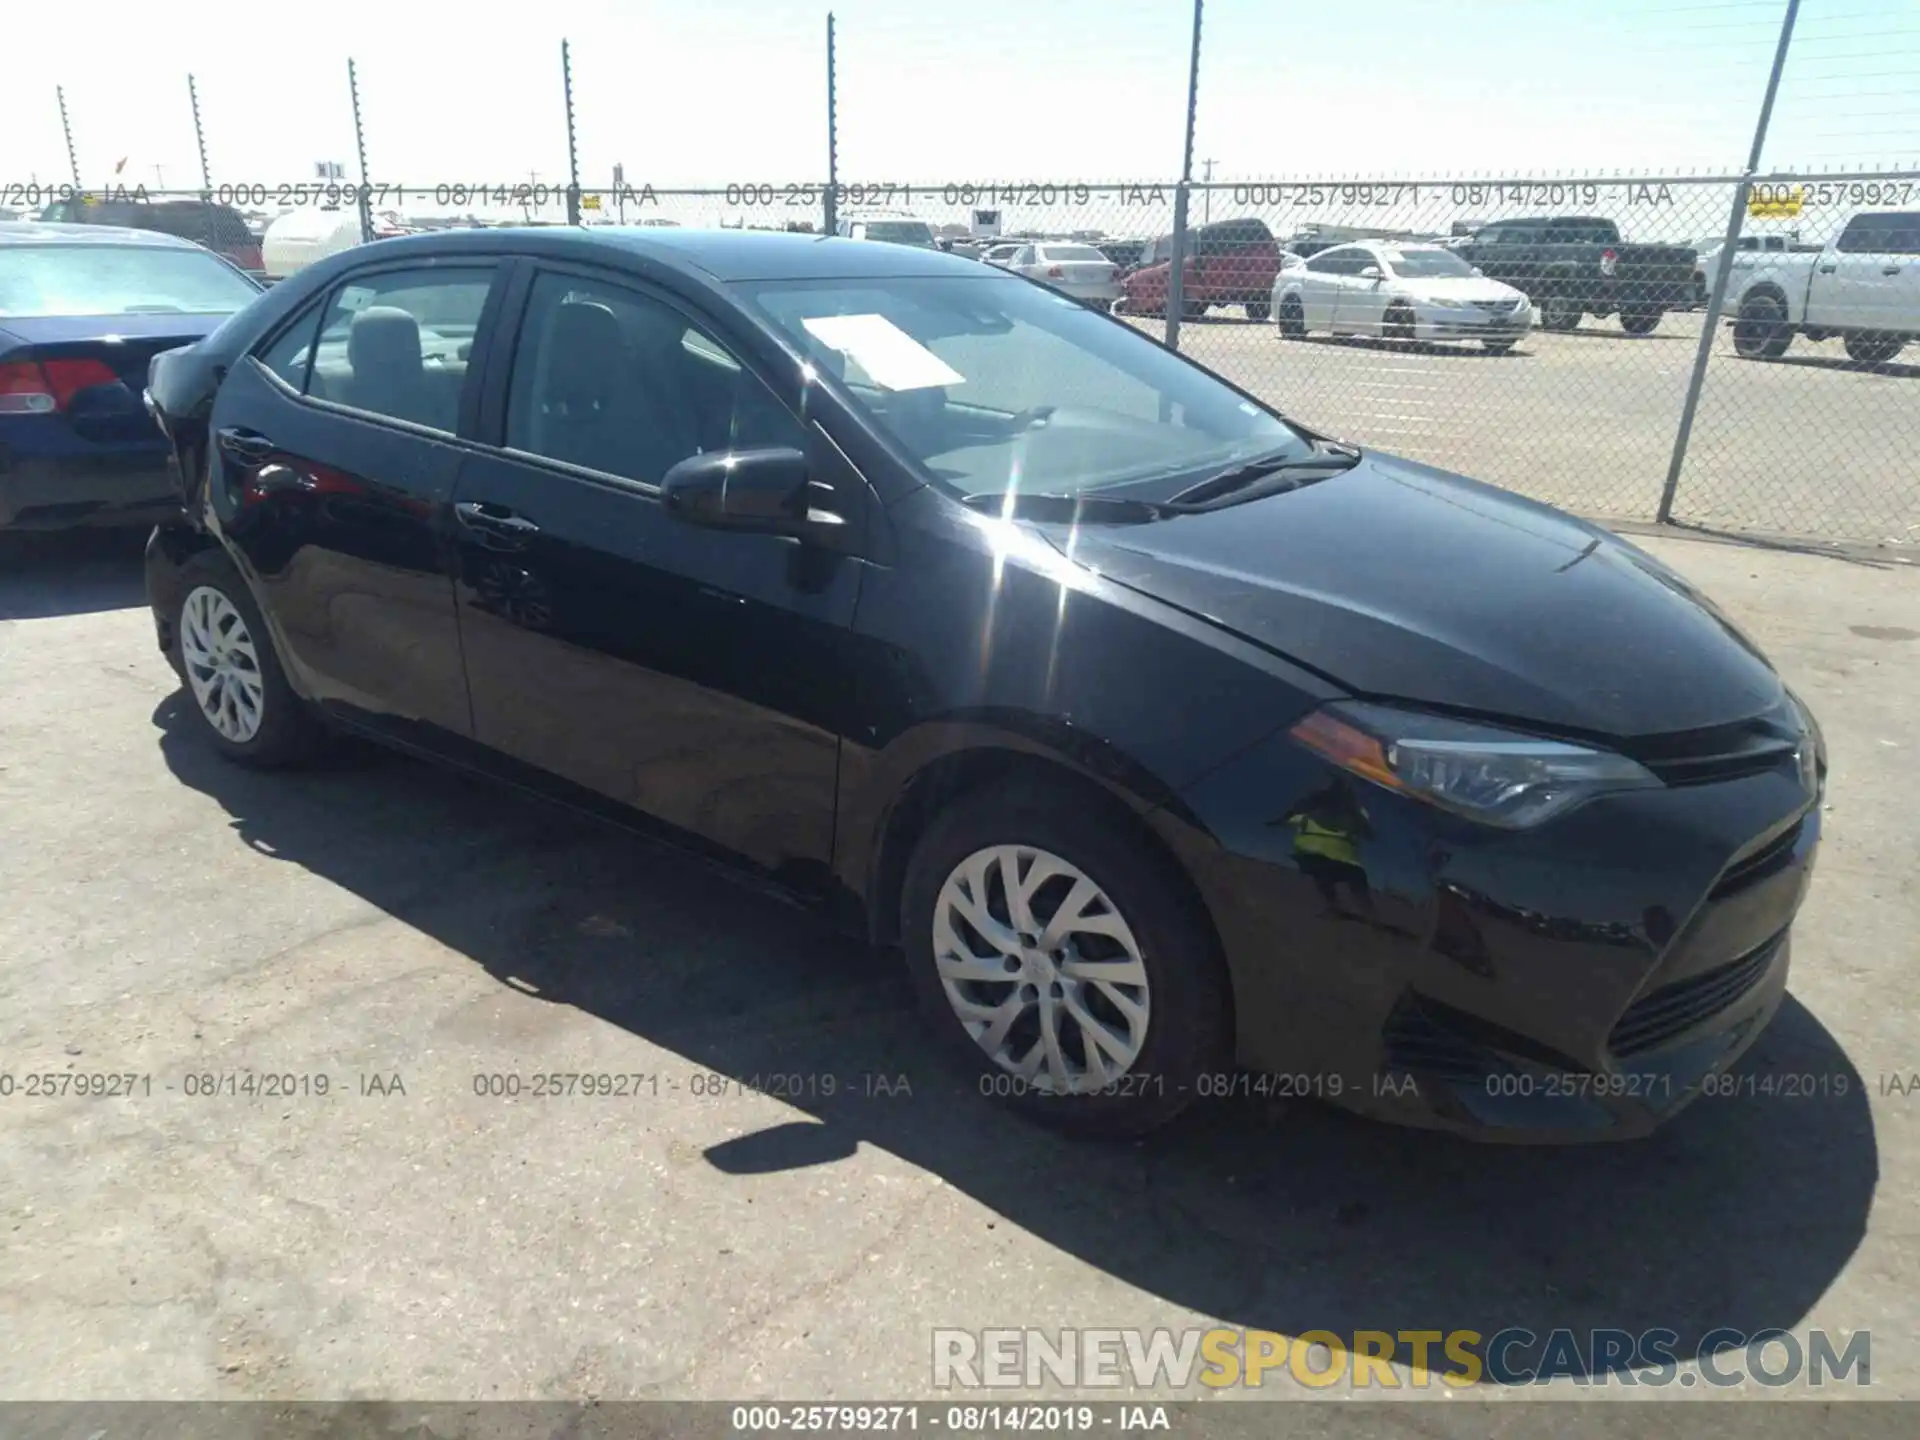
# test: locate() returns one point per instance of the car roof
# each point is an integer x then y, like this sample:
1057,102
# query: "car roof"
47,232
723,255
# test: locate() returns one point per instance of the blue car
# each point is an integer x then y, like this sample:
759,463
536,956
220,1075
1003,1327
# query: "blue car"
83,310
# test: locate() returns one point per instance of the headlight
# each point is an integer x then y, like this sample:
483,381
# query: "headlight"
1498,777
1442,303
1811,753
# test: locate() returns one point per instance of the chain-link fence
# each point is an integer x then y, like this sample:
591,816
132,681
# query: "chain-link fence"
1540,333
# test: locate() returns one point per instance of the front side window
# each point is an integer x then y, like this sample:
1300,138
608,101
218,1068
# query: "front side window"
1337,262
84,279
991,385
399,342
613,380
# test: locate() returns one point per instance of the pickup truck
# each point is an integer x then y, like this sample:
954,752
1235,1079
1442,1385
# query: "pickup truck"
1862,285
1575,265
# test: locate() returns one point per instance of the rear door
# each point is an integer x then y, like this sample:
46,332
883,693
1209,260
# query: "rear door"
336,451
1874,279
697,675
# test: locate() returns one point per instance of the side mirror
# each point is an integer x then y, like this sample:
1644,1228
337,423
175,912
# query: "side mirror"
765,491
1372,272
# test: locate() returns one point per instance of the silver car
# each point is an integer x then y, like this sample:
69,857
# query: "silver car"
1073,269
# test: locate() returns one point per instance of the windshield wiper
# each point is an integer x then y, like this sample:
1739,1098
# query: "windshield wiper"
1243,481
1065,509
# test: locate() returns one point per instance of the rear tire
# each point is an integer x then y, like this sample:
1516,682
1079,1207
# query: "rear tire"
1761,331
1258,310
1639,322
1293,319
1867,347
236,692
1161,1000
1193,309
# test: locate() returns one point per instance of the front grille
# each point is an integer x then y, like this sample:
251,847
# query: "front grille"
1769,859
1672,1010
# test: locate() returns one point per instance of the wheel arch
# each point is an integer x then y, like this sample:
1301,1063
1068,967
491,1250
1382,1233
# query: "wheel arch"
928,768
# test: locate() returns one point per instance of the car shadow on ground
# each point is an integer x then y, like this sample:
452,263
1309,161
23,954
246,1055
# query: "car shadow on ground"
1462,349
1285,1217
1894,369
71,572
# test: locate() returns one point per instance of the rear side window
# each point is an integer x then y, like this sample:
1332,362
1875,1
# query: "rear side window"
1895,234
613,380
398,343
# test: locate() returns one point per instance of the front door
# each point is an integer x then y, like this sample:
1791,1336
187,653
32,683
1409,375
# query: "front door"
333,479
698,675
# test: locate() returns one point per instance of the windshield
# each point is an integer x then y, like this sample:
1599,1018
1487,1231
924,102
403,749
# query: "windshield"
901,232
118,280
1428,264
993,385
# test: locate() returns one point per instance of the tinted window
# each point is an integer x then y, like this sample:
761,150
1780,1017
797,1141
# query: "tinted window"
900,232
1882,234
1428,264
85,279
615,381
398,343
1233,235
1583,232
1339,262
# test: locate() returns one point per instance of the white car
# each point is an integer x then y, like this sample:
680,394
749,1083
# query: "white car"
1076,270
1398,292
1002,253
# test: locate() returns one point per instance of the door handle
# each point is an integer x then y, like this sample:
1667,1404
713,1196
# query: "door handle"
1829,269
495,522
1891,270
246,446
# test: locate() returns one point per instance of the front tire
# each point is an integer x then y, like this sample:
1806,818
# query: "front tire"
1258,310
1060,963
1639,322
236,691
1559,312
1761,331
1398,324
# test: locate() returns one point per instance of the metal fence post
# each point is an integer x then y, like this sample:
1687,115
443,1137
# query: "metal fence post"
832,208
360,145
573,152
200,138
1176,276
1716,300
73,160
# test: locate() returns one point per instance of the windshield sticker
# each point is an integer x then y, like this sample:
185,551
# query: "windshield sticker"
891,357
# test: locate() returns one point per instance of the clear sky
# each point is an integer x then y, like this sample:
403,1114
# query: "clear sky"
725,91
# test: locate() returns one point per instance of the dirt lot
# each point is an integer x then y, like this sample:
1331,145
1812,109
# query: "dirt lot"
397,932
1806,445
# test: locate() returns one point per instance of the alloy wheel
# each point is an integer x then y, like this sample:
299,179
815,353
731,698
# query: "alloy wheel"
1041,969
222,664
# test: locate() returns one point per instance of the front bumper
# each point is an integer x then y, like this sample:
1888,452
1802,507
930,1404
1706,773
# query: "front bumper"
1434,322
1582,981
45,492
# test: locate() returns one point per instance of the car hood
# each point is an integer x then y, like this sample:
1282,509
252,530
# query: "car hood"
1471,289
1398,581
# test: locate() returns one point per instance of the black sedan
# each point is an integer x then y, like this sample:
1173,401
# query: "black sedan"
1170,741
